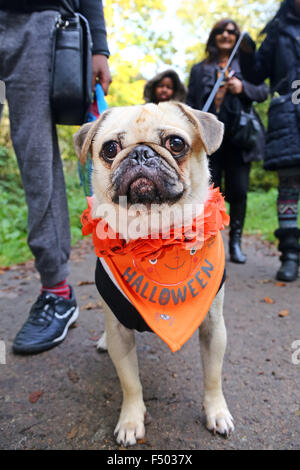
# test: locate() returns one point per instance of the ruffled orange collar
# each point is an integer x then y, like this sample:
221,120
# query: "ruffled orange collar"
205,226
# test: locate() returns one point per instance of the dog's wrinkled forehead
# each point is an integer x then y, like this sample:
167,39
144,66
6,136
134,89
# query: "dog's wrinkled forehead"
143,123
150,123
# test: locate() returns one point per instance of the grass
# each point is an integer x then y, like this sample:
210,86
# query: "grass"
13,216
261,215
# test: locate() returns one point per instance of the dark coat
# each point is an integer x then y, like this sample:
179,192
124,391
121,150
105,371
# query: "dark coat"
202,79
91,9
278,58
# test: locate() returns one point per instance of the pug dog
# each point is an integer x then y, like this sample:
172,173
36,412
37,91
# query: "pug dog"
153,155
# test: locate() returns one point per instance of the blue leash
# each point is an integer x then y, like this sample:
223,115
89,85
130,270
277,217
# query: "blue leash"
85,172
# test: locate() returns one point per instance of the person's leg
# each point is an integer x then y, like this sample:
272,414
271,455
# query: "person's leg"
288,232
35,142
236,188
27,47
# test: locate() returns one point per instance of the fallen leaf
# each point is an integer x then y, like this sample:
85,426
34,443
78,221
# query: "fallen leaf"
90,306
268,300
85,283
73,376
280,284
34,396
283,313
73,433
142,441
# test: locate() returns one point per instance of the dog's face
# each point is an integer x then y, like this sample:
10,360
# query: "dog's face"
151,154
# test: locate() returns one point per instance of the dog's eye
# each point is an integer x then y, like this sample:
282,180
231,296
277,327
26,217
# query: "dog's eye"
175,144
193,251
152,261
110,149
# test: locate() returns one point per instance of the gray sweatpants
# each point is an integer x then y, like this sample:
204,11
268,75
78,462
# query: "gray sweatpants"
25,58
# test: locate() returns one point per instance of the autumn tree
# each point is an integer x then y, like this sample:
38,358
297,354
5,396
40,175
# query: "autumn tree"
199,17
141,37
137,40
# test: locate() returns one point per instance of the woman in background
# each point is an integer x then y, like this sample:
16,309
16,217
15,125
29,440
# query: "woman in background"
235,94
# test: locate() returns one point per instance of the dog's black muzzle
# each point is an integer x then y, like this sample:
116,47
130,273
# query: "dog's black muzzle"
146,177
142,154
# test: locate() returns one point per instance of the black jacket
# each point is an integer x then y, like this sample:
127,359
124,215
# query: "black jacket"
202,79
92,10
278,58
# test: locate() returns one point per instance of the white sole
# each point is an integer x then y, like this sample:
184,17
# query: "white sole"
72,320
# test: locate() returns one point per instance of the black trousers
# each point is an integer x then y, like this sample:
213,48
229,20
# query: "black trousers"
228,161
25,60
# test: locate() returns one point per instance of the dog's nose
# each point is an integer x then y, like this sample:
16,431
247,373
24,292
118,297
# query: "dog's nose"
142,153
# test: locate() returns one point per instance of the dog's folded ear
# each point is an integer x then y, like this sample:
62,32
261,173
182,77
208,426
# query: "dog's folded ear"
210,129
83,138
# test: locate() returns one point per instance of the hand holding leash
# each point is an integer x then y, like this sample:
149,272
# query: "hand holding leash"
235,85
222,75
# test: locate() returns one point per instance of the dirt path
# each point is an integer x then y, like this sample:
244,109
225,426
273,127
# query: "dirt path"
69,397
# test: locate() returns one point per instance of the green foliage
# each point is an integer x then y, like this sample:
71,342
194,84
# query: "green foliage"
138,37
13,209
262,110
199,18
76,199
261,180
9,173
65,137
261,215
133,23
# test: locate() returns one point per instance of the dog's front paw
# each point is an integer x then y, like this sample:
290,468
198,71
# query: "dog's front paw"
218,418
130,427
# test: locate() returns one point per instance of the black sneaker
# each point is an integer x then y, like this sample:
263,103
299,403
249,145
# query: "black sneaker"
49,320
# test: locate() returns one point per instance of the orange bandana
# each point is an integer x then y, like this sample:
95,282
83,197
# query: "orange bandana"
171,282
